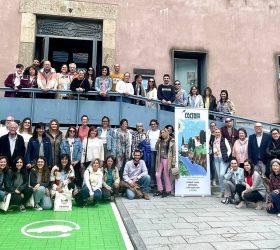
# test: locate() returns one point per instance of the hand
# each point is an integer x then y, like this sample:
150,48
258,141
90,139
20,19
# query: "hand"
59,189
36,187
247,186
116,185
28,166
47,191
270,205
276,191
15,88
45,89
17,192
132,184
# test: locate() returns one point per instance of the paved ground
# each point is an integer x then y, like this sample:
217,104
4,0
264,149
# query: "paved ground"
90,228
197,223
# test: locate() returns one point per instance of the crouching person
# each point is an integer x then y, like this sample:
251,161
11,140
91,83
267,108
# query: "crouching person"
233,176
93,178
136,178
273,205
111,178
39,181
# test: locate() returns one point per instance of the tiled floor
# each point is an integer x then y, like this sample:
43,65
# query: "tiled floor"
98,229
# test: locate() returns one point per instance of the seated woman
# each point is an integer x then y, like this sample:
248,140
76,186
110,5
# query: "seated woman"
4,199
39,181
233,176
252,189
273,204
103,84
38,145
17,184
93,179
62,176
111,178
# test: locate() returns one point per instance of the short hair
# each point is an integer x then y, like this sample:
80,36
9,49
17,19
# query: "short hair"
13,123
84,116
19,66
72,64
105,117
40,125
137,76
166,75
137,151
123,120
273,161
243,130
154,120
170,126
275,129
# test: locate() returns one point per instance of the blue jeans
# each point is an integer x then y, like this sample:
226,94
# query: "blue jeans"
221,168
144,182
276,202
82,196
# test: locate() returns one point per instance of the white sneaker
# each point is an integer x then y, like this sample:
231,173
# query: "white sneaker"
214,184
37,207
242,204
259,205
278,215
4,205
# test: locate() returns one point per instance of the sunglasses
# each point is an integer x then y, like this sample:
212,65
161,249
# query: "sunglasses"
228,121
71,130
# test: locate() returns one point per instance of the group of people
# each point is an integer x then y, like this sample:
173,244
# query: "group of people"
247,167
91,163
69,78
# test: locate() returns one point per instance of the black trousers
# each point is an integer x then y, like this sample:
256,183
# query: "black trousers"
253,196
17,199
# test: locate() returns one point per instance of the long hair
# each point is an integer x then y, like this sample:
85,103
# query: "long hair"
226,92
251,172
92,128
45,172
40,125
67,133
105,166
67,167
21,128
57,123
7,163
14,169
154,86
210,92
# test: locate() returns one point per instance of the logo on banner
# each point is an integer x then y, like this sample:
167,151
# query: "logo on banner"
48,229
192,115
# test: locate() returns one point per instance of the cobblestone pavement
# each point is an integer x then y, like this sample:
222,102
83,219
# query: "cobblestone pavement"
197,223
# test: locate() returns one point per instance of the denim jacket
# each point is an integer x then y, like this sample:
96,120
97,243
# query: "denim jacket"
98,83
236,177
110,137
77,149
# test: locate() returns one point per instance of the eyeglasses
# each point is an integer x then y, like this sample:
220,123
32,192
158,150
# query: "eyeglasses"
177,83
72,130
105,121
228,121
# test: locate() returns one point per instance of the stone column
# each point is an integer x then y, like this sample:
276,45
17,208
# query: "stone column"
109,42
27,39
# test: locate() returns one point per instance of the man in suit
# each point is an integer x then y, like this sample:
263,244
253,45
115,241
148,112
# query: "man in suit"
12,144
229,132
257,145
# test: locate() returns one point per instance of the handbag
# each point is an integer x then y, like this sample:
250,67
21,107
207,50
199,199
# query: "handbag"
175,172
63,201
86,163
4,205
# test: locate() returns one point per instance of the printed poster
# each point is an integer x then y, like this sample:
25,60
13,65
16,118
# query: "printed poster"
191,131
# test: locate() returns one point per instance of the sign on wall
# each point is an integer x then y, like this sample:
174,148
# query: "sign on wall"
191,131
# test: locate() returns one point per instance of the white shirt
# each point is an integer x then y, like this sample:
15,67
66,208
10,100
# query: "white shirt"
153,137
12,141
124,87
259,139
93,150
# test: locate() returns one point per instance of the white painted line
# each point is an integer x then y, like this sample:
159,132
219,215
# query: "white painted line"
125,236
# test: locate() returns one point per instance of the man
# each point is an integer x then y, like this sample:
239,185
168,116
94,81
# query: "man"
36,63
125,88
12,145
72,71
136,177
116,76
47,80
5,129
166,93
153,135
257,146
14,81
229,132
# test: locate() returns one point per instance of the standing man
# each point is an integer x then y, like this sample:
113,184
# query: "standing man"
5,129
166,93
136,177
229,132
116,76
47,80
72,71
12,144
257,145
153,135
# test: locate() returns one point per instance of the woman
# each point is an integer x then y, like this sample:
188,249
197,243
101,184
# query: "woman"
80,84
31,77
225,105
62,176
151,93
92,148
84,128
39,181
122,145
124,88
38,145
103,84
273,204
170,129
107,135
273,148
166,158
17,184
209,100
25,130
93,184
72,146
233,176
138,136
55,136
221,151
194,98
90,76
138,89
3,173
63,81
252,189
240,147
111,178
181,97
